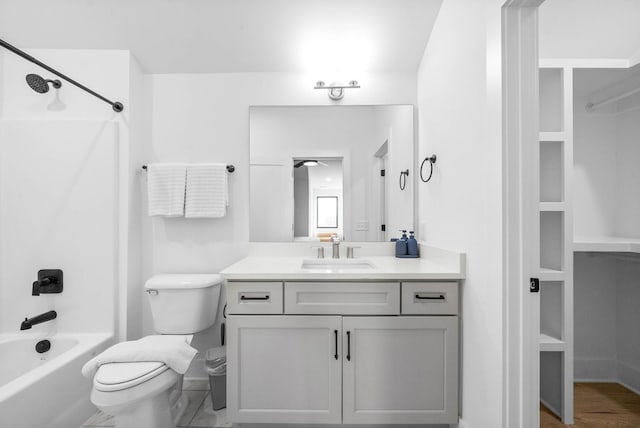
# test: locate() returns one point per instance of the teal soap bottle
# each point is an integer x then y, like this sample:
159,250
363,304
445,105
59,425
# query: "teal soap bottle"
412,245
401,245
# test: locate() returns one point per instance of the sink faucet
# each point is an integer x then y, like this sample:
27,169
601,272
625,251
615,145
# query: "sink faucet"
335,243
38,319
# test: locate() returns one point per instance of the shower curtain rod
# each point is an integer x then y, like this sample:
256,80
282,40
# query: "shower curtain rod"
116,106
593,106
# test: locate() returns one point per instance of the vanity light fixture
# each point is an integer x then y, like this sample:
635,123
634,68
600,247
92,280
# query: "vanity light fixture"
336,89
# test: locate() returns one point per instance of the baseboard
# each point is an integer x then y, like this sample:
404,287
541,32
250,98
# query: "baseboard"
629,377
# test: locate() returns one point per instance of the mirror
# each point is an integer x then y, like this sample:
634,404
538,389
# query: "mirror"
319,171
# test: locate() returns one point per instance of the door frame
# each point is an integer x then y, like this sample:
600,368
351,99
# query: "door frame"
521,234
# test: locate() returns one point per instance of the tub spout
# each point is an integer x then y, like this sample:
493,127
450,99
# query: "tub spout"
38,319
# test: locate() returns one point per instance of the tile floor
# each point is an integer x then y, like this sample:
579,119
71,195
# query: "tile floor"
199,412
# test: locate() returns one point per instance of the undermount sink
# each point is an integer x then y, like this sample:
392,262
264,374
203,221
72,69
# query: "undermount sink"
335,265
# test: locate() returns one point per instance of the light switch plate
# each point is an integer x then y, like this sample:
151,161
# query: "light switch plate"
362,225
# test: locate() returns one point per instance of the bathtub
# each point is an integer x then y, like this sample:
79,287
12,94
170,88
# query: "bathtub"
46,390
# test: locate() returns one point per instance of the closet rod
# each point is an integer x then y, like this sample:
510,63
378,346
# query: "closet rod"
593,106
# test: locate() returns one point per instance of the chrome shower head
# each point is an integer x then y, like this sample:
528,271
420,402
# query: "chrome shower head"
40,84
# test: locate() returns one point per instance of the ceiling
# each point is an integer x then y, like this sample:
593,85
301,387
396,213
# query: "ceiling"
216,36
590,29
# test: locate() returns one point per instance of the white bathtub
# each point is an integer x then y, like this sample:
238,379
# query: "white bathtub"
46,390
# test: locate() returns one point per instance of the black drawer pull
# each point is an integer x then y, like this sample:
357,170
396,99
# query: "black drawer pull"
348,346
254,298
439,297
336,354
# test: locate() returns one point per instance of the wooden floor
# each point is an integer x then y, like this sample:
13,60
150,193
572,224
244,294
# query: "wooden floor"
599,405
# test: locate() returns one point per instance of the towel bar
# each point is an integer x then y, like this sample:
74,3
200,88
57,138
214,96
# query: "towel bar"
230,168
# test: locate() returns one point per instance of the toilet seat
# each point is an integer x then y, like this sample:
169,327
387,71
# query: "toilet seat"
119,376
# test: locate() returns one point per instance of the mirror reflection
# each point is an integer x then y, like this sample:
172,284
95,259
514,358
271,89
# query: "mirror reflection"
330,170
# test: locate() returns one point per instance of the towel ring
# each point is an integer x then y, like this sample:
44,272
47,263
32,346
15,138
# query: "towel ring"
432,160
403,179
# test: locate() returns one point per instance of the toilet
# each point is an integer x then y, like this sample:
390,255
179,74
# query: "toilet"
149,394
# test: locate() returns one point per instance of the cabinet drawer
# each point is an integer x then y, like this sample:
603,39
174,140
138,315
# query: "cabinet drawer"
254,297
430,298
343,298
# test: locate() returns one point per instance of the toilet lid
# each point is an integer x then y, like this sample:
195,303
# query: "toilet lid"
119,376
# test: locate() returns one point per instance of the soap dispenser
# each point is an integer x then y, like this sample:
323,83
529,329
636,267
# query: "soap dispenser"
412,245
401,245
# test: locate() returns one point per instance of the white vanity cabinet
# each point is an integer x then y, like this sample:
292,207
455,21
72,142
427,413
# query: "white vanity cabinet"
345,363
400,370
284,369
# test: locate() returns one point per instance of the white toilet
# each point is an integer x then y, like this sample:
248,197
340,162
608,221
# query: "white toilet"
149,394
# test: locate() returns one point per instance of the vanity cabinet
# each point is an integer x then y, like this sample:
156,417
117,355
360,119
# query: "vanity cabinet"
347,363
400,370
284,369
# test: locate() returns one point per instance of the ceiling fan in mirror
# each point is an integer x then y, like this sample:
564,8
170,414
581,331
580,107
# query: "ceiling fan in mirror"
308,162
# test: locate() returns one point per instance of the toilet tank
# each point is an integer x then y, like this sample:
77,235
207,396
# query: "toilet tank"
183,303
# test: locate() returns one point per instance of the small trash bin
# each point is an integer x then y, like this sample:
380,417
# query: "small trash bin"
216,368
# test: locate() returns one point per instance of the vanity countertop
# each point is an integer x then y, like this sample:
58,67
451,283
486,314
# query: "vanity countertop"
280,264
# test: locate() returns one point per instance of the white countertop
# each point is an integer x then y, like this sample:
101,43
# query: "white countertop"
435,264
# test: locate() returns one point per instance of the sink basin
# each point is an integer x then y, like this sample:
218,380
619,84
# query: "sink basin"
335,265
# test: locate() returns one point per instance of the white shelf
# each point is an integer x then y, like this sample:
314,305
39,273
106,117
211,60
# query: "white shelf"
552,206
552,136
551,275
606,244
550,344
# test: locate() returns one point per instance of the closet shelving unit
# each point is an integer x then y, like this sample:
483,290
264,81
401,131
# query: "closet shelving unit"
556,240
588,203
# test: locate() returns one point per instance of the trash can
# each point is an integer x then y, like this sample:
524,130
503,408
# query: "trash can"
216,368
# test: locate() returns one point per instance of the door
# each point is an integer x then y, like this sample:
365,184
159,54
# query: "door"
400,370
271,214
284,369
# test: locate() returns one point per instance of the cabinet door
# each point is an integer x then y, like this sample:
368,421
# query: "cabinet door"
284,369
400,370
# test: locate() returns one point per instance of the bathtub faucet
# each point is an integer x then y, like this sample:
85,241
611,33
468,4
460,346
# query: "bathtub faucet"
38,319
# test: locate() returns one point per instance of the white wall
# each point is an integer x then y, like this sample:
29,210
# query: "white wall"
627,322
595,303
594,166
59,210
459,97
627,205
205,117
116,75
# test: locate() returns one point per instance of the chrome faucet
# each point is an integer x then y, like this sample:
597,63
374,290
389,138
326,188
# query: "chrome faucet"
335,244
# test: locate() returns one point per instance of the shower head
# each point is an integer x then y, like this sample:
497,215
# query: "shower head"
40,84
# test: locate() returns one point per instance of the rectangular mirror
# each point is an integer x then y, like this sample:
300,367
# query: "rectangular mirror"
319,171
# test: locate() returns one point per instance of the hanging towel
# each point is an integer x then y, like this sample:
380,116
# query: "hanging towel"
166,189
207,191
174,351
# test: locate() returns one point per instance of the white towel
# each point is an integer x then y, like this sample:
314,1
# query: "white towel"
174,351
207,191
166,189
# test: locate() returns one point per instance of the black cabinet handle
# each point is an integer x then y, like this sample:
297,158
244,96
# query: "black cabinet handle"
336,354
348,346
440,297
254,298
